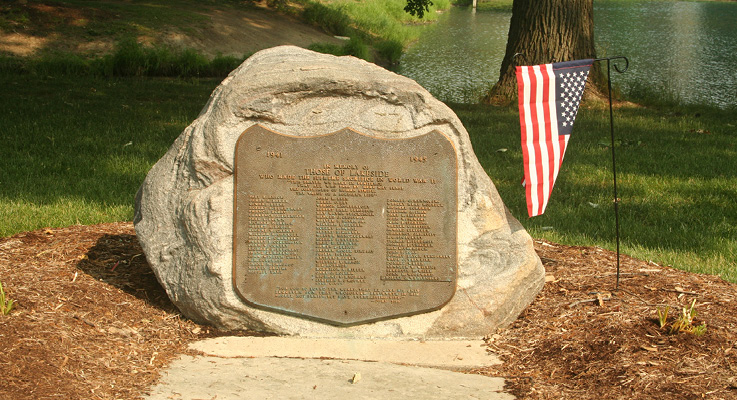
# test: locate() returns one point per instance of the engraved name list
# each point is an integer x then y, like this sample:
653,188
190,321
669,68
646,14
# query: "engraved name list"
345,228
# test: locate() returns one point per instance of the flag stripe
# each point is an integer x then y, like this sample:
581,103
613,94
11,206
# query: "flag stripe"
544,141
554,144
545,135
528,149
541,136
535,100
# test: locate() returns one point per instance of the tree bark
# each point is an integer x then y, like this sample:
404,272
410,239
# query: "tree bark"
544,31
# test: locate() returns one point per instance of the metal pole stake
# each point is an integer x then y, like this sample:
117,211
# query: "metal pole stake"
611,128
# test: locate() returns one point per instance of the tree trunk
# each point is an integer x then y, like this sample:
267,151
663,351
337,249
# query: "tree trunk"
544,31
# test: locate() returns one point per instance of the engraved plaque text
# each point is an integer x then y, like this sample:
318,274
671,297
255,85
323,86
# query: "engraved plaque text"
345,228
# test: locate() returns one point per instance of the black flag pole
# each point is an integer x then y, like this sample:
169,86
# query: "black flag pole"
611,128
609,62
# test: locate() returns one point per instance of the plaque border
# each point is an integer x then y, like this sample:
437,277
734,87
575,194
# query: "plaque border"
274,309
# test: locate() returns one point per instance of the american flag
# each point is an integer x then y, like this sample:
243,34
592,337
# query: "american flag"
549,95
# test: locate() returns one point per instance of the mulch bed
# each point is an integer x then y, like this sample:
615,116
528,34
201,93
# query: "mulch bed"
92,322
581,340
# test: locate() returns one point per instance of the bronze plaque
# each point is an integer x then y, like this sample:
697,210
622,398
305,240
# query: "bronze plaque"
345,228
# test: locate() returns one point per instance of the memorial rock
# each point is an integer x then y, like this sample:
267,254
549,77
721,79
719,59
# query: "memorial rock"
324,196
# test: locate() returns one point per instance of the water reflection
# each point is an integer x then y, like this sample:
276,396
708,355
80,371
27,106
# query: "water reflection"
460,55
688,49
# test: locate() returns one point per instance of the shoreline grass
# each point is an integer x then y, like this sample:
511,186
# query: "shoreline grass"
383,24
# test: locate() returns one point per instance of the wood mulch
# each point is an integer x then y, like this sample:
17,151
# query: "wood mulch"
92,322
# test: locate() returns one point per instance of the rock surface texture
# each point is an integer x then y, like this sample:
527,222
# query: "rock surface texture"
184,209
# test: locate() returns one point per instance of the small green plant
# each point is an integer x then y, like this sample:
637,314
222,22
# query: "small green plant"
684,323
6,305
663,316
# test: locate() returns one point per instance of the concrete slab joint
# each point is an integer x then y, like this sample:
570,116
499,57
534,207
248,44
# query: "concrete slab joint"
295,368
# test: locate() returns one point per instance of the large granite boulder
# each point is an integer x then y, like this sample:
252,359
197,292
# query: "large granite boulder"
185,208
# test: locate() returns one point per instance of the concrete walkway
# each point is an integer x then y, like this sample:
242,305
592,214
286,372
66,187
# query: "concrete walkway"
297,368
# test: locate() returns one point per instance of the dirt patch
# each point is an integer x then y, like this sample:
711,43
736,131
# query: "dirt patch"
34,27
21,44
580,339
245,32
92,322
31,27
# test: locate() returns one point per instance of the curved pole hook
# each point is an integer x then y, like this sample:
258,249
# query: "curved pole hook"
616,67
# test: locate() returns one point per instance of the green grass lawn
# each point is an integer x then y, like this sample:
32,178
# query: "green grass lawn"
75,150
677,181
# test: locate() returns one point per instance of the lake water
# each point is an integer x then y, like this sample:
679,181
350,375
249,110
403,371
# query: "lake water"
688,49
